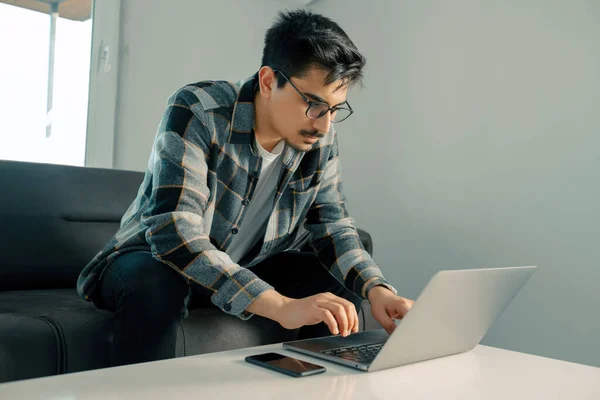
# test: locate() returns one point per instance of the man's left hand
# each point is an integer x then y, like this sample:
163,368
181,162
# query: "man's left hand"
386,307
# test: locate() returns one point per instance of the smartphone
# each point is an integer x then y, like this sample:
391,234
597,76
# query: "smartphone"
286,365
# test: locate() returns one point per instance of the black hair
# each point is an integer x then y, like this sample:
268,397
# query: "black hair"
301,39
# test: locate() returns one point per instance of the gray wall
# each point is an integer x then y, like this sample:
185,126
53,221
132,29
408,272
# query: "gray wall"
475,144
165,46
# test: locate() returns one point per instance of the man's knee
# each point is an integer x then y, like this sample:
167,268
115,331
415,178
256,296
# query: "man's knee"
142,282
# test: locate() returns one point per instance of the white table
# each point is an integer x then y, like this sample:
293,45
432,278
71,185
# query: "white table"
484,373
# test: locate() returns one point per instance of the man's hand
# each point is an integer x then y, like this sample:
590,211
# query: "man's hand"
386,307
338,314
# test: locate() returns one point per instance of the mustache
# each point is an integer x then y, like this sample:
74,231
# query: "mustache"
315,134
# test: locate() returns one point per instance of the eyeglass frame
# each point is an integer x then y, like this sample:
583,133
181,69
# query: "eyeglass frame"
310,102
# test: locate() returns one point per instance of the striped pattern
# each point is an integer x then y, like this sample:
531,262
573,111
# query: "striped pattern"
203,165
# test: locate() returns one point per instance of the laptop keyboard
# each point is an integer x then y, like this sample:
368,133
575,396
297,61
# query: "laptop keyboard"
364,354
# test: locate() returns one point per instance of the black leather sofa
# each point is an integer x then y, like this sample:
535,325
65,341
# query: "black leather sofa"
53,220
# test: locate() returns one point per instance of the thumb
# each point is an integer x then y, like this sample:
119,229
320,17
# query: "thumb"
381,316
400,309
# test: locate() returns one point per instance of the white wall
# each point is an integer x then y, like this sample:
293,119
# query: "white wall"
475,144
165,45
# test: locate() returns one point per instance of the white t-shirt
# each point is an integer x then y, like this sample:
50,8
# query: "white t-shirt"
261,206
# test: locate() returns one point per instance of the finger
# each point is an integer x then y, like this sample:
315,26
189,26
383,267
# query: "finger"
352,317
399,309
357,324
350,311
342,313
328,297
339,312
327,317
350,314
384,319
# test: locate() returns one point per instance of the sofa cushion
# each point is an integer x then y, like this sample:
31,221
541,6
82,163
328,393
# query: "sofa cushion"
82,330
28,349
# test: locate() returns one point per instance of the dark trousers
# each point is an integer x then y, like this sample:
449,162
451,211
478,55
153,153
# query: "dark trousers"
150,300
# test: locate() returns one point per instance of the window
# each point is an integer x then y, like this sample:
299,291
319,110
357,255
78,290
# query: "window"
44,114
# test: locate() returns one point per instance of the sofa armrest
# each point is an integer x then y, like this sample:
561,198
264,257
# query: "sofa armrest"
367,241
366,319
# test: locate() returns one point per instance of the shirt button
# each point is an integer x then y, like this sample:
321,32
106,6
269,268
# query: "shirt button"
227,307
246,202
235,231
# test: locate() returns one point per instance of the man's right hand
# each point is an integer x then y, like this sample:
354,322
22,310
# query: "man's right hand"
338,314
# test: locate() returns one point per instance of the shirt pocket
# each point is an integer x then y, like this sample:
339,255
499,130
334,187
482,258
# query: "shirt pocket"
300,198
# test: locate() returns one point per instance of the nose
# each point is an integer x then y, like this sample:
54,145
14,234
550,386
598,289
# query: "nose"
322,124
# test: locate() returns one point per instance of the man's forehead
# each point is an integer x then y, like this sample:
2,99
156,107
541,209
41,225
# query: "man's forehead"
313,81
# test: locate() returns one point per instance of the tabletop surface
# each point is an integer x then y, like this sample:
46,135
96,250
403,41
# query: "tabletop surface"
483,373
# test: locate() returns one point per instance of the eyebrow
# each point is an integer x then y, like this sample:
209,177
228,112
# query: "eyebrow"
314,96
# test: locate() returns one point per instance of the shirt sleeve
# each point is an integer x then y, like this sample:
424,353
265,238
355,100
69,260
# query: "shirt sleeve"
180,196
334,236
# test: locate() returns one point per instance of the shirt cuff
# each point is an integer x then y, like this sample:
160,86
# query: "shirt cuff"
378,282
238,292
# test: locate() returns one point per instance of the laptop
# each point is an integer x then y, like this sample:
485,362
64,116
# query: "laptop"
450,316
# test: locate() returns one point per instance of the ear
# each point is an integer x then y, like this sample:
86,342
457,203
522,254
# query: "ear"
267,81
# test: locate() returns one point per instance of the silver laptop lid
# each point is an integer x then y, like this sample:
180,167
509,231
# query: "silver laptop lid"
452,314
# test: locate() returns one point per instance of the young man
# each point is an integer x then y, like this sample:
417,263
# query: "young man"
236,171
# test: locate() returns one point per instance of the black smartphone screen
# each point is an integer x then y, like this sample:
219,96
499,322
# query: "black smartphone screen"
285,364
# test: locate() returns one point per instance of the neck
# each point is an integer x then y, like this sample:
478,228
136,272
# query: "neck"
265,135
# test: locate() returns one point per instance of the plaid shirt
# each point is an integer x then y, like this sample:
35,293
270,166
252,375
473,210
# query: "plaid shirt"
201,175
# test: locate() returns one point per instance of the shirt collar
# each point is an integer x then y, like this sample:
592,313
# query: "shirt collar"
242,121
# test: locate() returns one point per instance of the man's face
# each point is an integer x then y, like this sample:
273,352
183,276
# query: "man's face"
287,108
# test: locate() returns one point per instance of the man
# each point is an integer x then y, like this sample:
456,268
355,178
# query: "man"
235,172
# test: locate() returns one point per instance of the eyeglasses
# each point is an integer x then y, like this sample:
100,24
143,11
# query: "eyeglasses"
317,109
